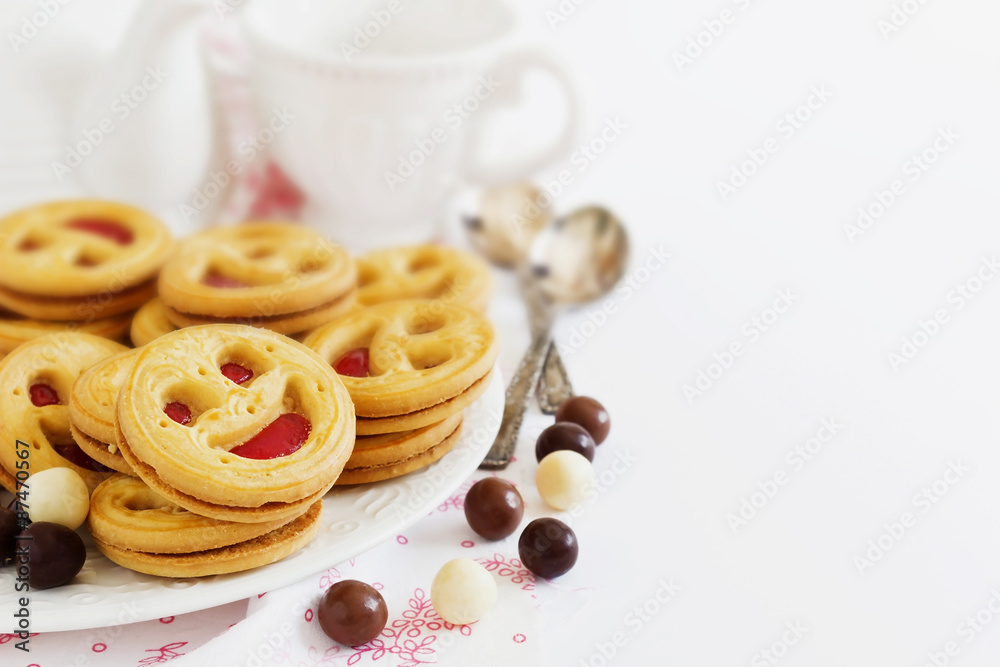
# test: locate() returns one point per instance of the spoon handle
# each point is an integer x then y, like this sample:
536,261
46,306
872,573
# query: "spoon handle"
518,394
554,386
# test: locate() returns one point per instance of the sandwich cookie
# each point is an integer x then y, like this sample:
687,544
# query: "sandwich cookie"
80,260
277,276
37,380
140,530
92,402
234,423
408,364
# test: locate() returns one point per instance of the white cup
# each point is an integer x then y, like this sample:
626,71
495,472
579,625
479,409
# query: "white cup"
390,102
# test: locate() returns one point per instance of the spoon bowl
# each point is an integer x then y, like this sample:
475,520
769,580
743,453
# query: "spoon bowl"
580,257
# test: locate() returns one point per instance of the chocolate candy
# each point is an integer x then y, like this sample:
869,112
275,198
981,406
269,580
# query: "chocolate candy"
352,612
8,534
589,414
548,547
58,495
564,435
463,591
493,508
55,554
564,479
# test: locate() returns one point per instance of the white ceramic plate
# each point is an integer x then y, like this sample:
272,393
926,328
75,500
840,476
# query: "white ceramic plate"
354,520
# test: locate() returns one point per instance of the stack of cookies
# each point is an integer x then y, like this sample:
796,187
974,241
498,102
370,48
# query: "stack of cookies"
234,434
77,265
410,367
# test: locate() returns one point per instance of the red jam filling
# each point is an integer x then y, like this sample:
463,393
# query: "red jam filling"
236,373
42,395
72,453
109,229
354,363
179,412
281,437
219,280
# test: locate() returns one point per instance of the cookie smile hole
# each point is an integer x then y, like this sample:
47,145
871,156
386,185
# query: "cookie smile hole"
251,410
109,229
282,437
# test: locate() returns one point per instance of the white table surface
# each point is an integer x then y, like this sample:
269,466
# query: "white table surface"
664,518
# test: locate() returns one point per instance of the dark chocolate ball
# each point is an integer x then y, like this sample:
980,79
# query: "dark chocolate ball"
493,508
55,554
548,547
564,435
588,413
352,612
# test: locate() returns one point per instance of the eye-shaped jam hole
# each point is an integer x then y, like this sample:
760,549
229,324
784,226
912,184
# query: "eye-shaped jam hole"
87,261
353,364
236,373
139,502
109,229
42,395
423,323
284,436
366,274
422,262
31,244
179,412
215,279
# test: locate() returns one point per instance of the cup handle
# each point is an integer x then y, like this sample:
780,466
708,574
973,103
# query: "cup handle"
509,71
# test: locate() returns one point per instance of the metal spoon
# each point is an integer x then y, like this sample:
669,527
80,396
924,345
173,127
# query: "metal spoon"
575,259
507,219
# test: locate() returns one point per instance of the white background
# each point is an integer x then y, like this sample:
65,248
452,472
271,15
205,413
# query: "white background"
666,516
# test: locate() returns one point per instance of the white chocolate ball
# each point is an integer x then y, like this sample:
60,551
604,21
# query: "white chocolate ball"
563,478
58,495
463,591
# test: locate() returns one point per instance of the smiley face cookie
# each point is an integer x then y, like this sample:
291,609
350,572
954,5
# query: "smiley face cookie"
234,423
424,272
277,276
80,260
139,529
408,364
92,404
36,381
